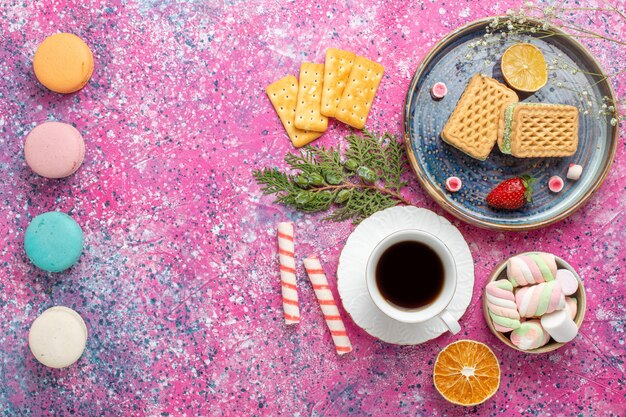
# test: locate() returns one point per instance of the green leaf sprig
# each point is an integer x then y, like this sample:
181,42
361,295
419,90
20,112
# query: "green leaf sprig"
367,179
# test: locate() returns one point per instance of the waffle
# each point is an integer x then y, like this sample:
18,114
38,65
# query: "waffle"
473,125
531,130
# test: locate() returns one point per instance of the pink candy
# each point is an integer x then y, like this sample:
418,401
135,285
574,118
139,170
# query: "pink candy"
530,335
453,184
291,310
543,309
501,305
555,184
439,91
539,299
327,303
531,268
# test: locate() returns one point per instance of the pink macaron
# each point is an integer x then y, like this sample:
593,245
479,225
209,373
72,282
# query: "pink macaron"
54,149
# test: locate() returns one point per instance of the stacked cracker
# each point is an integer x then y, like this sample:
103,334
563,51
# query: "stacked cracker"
490,112
343,87
530,130
473,125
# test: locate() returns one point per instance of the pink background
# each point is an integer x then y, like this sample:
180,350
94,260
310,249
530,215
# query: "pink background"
178,282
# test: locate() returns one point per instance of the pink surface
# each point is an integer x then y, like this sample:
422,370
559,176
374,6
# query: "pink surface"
179,283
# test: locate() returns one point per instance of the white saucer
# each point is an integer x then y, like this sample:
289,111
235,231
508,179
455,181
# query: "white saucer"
351,273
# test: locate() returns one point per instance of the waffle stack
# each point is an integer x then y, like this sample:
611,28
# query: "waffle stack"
489,112
531,130
473,125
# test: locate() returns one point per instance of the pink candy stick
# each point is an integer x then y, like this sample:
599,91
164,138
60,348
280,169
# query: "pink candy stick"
288,273
328,305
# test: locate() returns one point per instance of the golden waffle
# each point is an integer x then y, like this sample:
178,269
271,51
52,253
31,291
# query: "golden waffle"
544,130
473,125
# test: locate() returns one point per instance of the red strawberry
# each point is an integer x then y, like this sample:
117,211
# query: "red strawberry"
512,193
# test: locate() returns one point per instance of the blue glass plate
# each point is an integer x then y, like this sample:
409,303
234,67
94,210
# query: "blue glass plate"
433,160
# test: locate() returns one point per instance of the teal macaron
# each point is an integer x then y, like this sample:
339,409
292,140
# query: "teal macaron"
53,241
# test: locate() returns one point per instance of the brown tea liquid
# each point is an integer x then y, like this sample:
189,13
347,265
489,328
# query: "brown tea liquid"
410,274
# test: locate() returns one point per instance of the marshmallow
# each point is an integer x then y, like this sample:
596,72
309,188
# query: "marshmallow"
531,268
439,91
555,184
569,283
574,172
501,305
530,335
572,306
539,299
453,184
560,325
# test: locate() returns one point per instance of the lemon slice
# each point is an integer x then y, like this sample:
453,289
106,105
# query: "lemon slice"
524,67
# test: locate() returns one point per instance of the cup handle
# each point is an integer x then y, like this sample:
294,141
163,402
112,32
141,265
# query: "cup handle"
450,322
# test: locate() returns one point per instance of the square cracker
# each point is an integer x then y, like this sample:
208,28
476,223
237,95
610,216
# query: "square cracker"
308,115
283,94
473,125
356,100
544,130
336,72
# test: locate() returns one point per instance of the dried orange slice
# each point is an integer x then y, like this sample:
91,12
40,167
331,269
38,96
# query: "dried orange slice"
524,67
467,373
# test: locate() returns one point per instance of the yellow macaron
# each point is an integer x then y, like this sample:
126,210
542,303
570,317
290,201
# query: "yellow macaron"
63,63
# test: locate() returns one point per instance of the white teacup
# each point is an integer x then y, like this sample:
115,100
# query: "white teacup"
436,308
